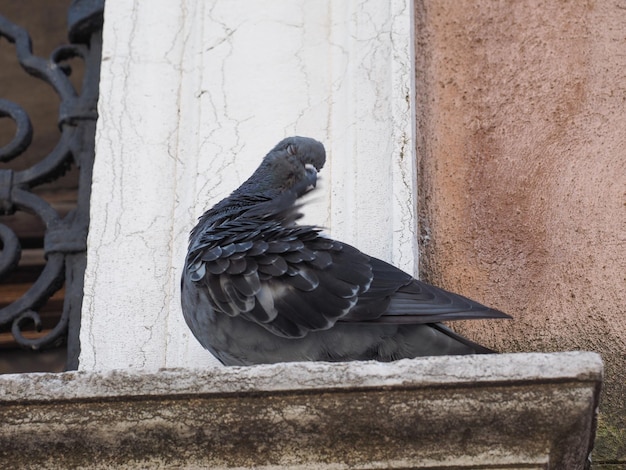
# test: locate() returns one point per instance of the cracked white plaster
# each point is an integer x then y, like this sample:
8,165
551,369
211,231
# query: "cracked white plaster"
193,94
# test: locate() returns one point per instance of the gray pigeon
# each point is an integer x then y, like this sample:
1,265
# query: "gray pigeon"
259,288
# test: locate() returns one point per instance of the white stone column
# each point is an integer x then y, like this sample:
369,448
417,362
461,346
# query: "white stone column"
192,96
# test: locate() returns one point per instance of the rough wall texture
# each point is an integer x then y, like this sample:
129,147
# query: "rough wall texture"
522,146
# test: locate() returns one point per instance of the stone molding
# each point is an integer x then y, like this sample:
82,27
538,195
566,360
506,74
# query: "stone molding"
531,411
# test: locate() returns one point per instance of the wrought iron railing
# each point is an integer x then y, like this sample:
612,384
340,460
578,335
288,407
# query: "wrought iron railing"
65,238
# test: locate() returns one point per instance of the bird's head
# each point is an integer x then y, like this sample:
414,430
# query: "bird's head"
291,165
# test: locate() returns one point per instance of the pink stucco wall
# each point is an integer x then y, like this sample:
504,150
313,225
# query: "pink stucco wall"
522,152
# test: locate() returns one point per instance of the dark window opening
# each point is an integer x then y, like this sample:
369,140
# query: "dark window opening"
49,72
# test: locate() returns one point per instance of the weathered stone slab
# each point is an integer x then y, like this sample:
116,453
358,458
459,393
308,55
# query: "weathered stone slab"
501,411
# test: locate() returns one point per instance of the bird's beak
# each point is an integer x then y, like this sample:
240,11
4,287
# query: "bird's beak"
311,172
310,167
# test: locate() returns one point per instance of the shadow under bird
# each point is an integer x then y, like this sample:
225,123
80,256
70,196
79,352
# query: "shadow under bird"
259,288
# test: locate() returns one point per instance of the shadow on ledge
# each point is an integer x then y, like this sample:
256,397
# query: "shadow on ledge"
530,411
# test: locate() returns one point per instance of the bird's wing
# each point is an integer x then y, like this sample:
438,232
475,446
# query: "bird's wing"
290,280
294,281
395,297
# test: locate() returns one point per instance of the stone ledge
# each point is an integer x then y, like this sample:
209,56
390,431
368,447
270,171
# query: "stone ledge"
501,411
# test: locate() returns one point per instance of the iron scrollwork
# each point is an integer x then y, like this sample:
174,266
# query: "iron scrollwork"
65,236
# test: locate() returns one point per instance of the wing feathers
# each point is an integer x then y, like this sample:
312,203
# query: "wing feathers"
295,280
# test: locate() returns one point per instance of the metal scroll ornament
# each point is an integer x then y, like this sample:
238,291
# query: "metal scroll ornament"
65,236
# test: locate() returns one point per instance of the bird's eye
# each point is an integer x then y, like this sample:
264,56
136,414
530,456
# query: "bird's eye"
291,149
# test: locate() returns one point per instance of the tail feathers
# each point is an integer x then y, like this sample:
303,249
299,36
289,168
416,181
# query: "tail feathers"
478,349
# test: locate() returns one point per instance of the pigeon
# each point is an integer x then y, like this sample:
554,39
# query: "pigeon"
258,288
